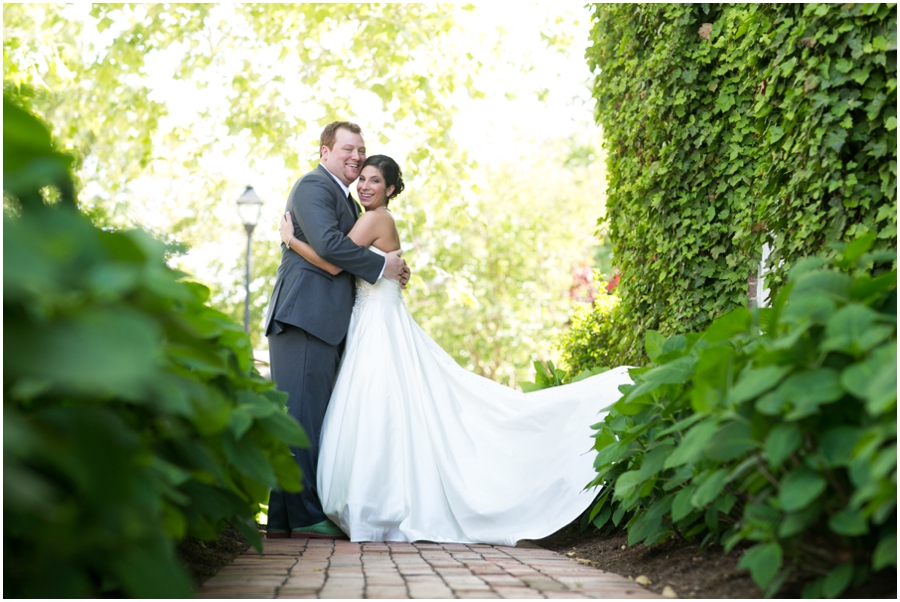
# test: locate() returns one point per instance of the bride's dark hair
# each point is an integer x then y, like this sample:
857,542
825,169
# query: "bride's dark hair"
390,171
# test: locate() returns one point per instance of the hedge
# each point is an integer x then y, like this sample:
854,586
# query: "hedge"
132,413
775,427
731,125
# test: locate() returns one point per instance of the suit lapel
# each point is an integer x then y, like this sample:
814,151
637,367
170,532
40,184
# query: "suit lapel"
347,202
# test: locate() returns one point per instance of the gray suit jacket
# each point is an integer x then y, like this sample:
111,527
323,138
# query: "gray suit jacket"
305,296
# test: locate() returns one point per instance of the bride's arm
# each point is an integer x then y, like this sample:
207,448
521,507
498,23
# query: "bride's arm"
364,233
303,249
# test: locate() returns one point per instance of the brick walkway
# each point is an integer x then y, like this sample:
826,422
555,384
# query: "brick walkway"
323,568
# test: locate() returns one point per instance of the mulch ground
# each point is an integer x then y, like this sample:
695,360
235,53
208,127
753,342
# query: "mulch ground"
203,559
692,571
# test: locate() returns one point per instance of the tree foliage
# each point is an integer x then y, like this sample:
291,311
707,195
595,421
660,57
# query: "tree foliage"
491,266
731,125
259,81
132,413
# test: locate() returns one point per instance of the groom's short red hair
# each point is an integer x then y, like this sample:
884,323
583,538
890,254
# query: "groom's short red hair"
330,133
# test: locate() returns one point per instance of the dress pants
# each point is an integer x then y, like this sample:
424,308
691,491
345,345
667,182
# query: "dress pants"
305,368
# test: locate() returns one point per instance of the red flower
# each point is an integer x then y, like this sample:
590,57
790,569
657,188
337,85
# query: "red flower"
612,284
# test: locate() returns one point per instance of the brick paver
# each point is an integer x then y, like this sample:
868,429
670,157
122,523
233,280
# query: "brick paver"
324,568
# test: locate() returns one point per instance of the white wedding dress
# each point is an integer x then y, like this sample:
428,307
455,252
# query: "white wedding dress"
415,448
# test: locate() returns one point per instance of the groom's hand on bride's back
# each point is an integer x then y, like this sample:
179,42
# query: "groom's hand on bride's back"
395,268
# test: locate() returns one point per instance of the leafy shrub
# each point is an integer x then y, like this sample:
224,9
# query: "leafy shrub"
586,344
729,125
132,414
776,426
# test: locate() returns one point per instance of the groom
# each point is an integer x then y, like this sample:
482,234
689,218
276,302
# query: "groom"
309,313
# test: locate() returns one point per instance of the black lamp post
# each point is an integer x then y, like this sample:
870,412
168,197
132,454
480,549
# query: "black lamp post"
249,206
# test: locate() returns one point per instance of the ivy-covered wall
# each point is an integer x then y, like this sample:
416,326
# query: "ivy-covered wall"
731,125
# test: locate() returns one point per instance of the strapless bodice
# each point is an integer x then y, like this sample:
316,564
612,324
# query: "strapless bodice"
384,290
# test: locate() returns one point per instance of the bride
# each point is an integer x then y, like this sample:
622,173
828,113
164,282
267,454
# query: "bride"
416,448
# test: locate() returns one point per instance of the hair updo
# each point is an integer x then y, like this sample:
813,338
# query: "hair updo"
390,171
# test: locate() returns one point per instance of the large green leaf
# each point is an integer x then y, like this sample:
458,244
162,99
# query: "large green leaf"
849,521
855,329
654,460
755,381
783,440
838,443
732,440
874,380
650,521
675,372
249,459
837,580
830,283
796,522
799,488
764,561
150,570
653,344
734,322
693,443
710,488
285,428
885,552
98,351
681,504
806,391
627,485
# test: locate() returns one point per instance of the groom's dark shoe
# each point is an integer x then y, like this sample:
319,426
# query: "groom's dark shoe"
277,533
323,530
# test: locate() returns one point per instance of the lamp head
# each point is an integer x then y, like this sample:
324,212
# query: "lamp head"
249,206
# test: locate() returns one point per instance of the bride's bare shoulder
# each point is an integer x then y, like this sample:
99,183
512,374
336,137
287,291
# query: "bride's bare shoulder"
377,216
